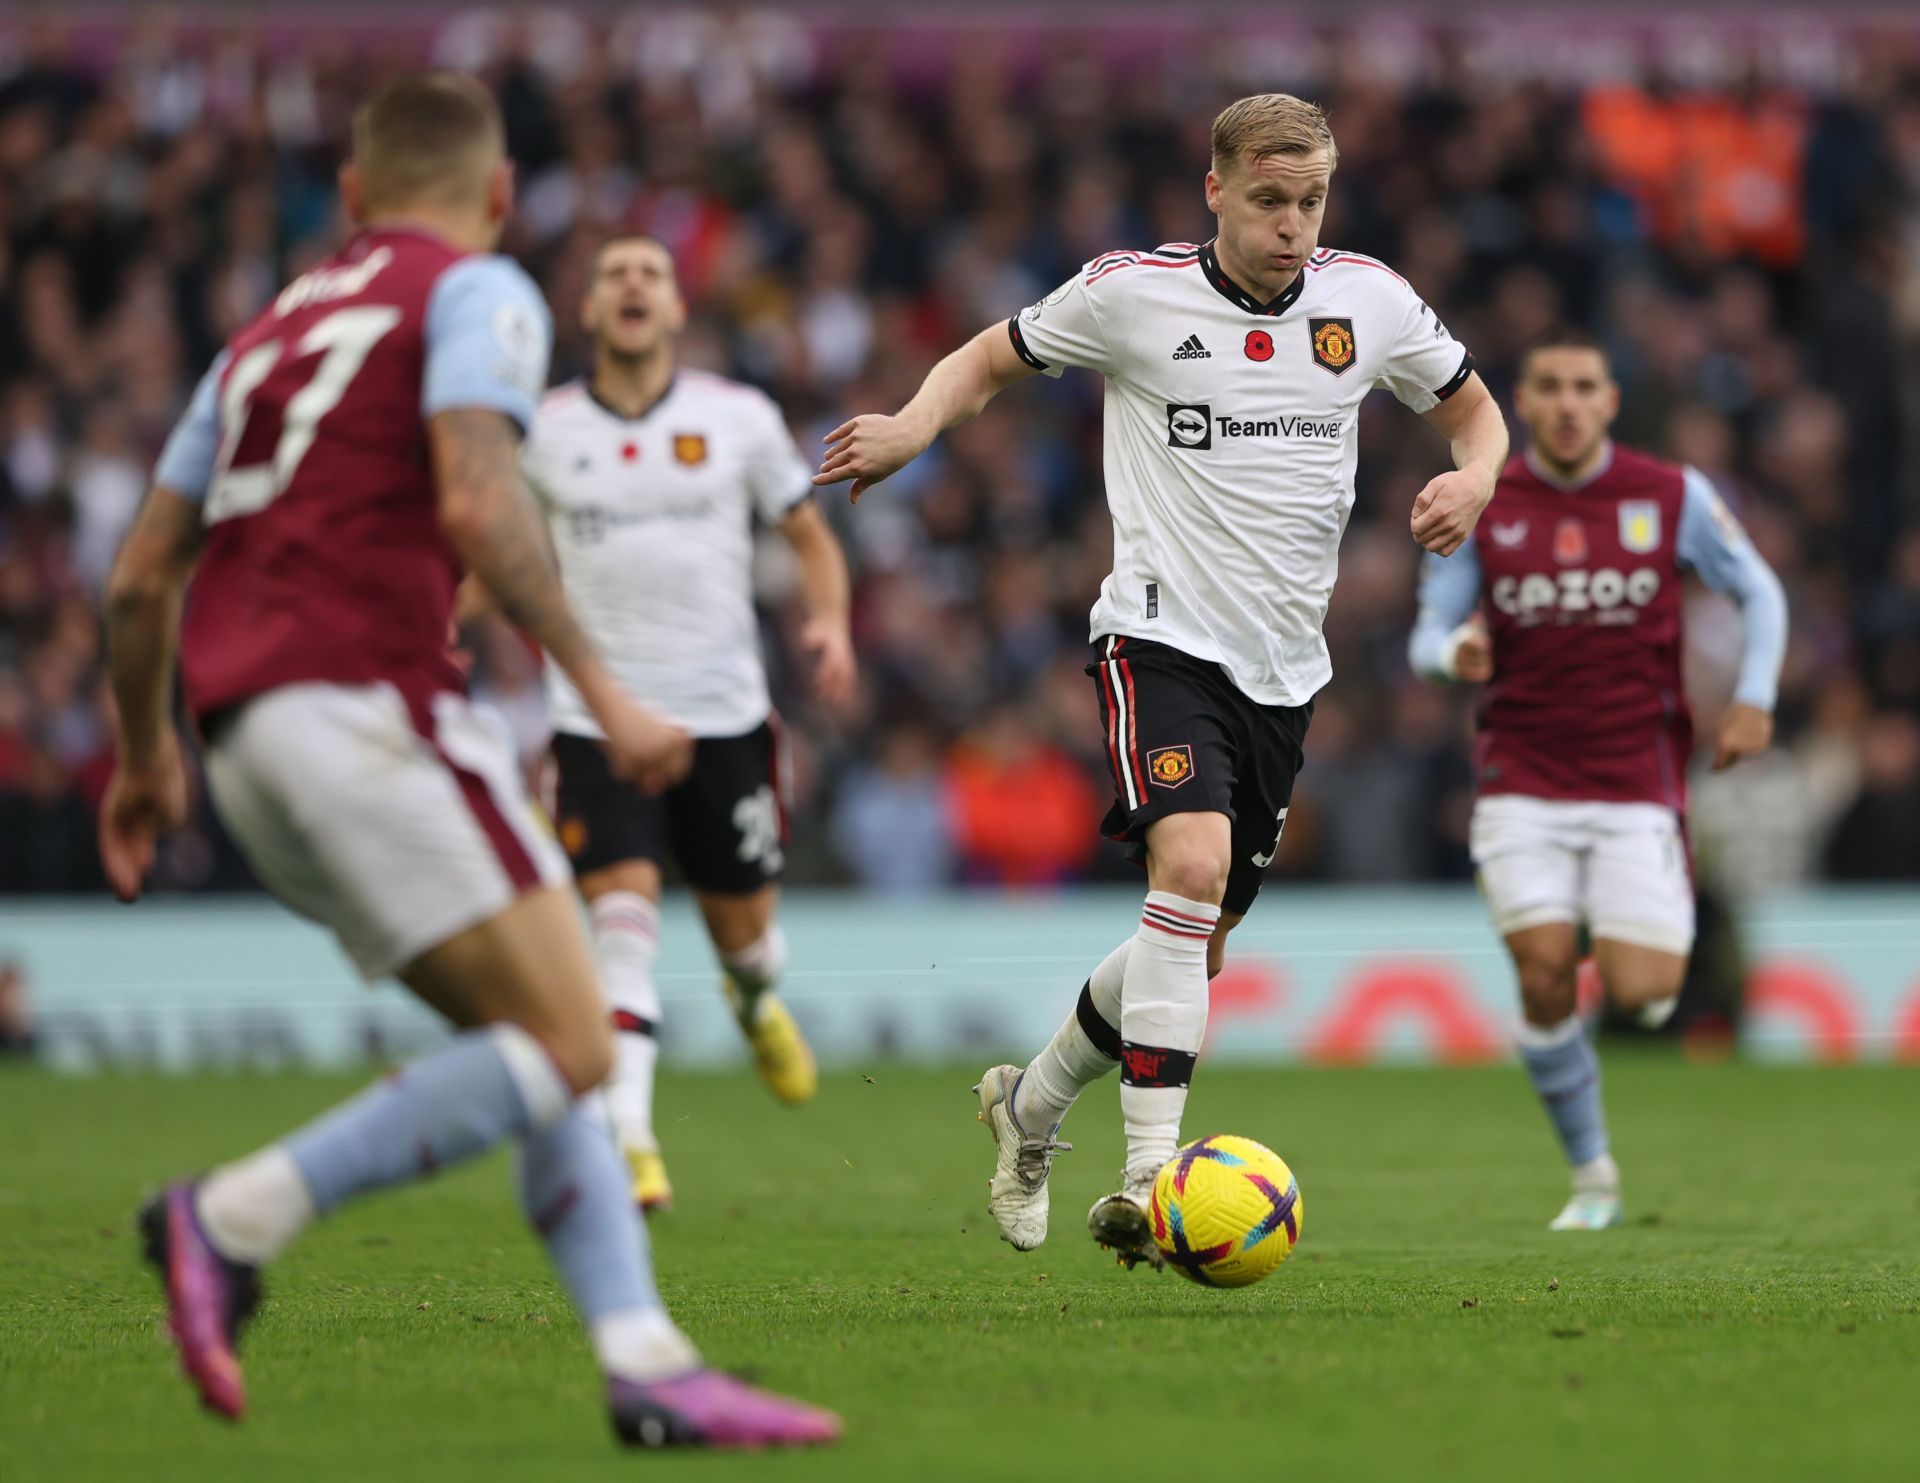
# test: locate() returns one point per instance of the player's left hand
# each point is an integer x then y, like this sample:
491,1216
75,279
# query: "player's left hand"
1447,510
142,803
1745,731
830,649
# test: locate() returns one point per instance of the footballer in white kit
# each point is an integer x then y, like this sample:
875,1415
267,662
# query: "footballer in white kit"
654,478
1235,370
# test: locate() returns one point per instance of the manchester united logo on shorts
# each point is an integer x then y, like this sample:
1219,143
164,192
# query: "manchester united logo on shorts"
1332,344
690,448
573,837
1169,767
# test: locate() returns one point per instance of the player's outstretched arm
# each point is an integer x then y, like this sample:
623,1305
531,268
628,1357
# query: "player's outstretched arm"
826,637
147,795
1715,545
1446,511
872,446
496,531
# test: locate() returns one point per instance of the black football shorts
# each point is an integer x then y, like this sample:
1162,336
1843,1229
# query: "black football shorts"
726,823
1181,738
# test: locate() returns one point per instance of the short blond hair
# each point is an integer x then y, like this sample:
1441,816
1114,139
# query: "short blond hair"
427,136
1268,124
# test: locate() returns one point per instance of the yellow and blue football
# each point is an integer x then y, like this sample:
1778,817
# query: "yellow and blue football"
1226,1211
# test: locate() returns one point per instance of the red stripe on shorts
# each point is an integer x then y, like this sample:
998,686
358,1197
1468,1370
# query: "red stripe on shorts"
1133,729
1113,727
500,833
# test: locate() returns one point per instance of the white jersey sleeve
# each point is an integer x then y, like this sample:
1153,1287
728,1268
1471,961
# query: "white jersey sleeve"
1425,365
1065,329
779,478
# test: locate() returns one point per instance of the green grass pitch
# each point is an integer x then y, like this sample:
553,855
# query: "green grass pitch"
1758,1318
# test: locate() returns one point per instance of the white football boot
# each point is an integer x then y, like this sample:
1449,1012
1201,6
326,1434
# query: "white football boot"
1120,1223
1589,1210
1595,1205
1017,1193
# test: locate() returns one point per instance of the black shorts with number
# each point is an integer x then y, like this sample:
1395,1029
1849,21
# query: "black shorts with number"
726,822
1182,738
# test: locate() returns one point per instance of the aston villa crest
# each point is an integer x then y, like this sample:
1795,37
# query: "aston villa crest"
1640,525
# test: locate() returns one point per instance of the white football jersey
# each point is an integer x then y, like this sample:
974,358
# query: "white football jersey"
653,517
1230,441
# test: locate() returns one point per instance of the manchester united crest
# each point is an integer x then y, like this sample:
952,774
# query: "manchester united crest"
1640,525
1169,767
690,448
1332,344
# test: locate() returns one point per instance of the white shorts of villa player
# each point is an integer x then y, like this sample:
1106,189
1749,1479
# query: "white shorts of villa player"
1619,867
397,827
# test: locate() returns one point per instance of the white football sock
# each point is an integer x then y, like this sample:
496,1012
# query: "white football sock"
642,1344
626,938
1163,1019
251,1209
1655,1013
1084,1049
752,972
1599,1175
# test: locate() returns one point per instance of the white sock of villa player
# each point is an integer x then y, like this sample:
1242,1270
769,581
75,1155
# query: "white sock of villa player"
1565,1073
626,939
753,971
1163,1019
1085,1048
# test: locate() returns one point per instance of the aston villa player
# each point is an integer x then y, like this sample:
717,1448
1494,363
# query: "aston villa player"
1566,603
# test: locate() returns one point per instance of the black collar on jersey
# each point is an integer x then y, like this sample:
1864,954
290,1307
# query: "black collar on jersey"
645,412
1234,294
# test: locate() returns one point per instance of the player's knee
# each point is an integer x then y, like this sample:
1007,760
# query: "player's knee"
1547,989
583,1052
1196,873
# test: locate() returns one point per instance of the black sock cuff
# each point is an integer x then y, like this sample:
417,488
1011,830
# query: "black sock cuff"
626,1022
1155,1065
1105,1037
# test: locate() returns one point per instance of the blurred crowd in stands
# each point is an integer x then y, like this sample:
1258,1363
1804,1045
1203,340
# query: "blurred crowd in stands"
843,214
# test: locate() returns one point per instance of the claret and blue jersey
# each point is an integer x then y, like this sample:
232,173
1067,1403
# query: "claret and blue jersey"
306,443
1582,593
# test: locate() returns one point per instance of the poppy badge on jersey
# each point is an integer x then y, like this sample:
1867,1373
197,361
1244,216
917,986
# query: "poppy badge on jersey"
1640,525
1169,767
1570,542
1332,344
690,448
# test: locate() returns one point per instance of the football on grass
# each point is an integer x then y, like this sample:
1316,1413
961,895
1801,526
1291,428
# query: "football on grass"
1226,1211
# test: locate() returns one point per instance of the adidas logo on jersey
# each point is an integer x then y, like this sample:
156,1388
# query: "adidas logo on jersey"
1192,349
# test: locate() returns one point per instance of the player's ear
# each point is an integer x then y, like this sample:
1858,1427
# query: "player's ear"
353,192
500,192
1215,196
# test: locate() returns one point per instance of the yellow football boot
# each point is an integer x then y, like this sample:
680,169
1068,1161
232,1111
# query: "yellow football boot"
780,1052
651,1189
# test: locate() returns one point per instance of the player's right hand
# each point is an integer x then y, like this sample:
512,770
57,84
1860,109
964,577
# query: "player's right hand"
1445,512
1472,654
650,752
866,450
142,802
